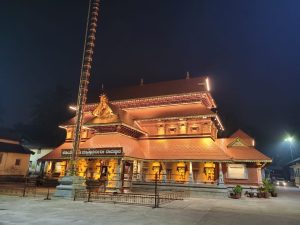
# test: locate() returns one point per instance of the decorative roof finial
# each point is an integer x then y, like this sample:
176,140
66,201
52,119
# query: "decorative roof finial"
102,87
187,75
142,82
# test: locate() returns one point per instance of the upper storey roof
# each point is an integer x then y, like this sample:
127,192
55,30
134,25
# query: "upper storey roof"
163,88
160,93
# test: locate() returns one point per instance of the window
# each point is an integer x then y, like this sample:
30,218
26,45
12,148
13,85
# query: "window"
39,151
1,156
172,130
237,171
194,129
18,162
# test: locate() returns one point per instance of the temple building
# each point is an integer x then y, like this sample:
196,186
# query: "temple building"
167,129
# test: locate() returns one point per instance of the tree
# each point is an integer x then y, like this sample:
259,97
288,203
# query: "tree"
49,111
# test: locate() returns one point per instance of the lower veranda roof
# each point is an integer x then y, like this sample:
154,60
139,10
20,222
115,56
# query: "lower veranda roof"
194,149
242,153
129,145
247,154
56,153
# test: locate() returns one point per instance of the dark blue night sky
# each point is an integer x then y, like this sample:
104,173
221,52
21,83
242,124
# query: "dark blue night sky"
250,49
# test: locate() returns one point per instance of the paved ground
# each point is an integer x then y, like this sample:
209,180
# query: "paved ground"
282,210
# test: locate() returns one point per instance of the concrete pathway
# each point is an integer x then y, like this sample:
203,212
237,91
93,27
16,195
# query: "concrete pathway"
282,210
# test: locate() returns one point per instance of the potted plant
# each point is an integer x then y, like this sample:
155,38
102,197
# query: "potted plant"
260,192
250,193
267,187
266,193
237,192
273,191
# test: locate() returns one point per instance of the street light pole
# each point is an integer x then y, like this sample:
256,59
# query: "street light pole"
291,151
290,140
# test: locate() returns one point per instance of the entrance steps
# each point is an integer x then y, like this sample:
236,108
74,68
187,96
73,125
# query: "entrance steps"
195,190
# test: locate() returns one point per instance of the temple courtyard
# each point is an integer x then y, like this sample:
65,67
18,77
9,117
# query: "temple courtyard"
28,210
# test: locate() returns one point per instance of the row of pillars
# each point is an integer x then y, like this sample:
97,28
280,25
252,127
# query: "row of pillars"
191,176
220,178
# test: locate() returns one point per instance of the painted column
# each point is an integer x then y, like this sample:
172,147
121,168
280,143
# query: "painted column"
164,173
139,170
221,176
191,176
135,170
119,174
259,177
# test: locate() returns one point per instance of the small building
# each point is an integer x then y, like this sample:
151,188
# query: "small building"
295,173
167,130
35,166
14,158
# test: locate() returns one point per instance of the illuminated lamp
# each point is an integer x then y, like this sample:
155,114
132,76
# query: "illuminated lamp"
72,108
207,84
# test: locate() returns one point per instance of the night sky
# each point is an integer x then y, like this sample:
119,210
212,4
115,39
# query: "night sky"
250,50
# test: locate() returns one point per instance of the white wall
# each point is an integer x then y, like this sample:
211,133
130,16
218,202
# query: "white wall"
38,153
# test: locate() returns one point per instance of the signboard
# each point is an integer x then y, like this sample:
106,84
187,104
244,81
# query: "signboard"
94,152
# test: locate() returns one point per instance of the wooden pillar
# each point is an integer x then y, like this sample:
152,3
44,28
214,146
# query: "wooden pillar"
120,175
259,177
163,172
191,176
221,176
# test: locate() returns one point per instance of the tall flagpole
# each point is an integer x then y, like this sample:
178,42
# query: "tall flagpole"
87,58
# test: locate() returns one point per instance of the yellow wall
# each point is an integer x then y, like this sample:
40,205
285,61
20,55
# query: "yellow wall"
8,167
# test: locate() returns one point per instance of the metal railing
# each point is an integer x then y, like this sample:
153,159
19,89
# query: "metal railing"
146,198
27,187
23,186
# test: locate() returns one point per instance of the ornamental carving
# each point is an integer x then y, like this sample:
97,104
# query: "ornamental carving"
103,112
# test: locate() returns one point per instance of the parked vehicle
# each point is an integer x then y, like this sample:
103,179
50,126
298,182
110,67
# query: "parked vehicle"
280,182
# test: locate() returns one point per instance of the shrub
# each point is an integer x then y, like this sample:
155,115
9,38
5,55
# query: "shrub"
237,190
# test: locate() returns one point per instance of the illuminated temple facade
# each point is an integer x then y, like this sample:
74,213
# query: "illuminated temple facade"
167,128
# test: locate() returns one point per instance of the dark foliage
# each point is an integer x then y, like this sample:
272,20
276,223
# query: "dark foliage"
49,111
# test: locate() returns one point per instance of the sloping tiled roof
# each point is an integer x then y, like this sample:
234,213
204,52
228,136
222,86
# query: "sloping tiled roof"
130,146
90,119
196,84
86,117
56,153
241,153
245,137
14,148
183,149
241,134
246,154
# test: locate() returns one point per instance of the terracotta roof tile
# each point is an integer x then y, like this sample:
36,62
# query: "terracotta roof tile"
195,84
56,153
243,153
183,149
246,154
248,140
86,117
130,146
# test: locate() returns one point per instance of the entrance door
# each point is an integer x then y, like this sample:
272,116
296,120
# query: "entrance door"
210,173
